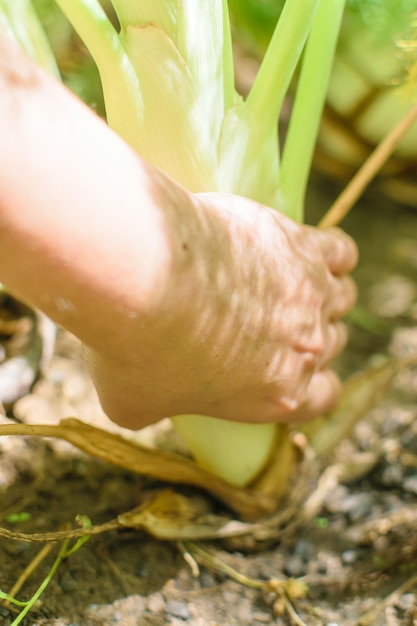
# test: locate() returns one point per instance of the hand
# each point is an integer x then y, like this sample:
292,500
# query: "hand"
248,325
186,303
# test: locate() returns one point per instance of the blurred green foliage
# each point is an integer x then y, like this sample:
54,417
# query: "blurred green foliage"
255,20
78,70
384,16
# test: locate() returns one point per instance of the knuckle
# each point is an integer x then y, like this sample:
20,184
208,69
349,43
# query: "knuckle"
312,347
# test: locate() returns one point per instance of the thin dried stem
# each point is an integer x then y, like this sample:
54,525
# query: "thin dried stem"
368,171
59,535
371,616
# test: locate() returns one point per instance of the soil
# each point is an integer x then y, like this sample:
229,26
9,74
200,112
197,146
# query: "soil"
350,561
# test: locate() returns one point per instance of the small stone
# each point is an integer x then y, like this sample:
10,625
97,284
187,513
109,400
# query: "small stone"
207,579
390,476
392,296
406,601
349,557
244,612
358,506
155,603
304,549
336,501
177,609
294,566
410,484
260,616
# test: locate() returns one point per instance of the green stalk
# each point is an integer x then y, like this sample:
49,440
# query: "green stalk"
277,69
204,43
27,606
228,65
19,20
308,106
124,105
251,127
161,13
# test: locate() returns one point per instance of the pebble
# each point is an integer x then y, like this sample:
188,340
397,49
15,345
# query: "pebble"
177,609
244,611
392,296
260,616
336,501
155,603
410,484
358,506
350,556
304,549
207,579
294,566
406,601
390,476
409,440
355,505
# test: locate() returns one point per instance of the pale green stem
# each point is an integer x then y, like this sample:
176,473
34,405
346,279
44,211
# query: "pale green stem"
228,66
124,103
160,13
94,28
20,20
308,106
29,605
278,66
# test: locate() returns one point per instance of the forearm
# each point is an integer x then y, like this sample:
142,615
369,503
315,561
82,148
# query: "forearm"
67,181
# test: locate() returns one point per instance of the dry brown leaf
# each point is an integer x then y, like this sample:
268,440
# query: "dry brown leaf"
159,464
174,516
262,501
362,392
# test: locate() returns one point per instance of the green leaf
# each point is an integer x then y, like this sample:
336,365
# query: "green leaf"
20,21
160,13
305,120
204,42
281,58
243,136
124,106
174,134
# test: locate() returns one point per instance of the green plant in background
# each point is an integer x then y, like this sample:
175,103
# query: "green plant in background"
367,92
255,20
168,82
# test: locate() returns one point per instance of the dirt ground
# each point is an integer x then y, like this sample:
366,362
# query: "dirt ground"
357,557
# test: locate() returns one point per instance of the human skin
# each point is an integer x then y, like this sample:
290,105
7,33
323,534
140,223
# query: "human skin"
186,303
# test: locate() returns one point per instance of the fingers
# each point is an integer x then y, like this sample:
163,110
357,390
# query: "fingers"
323,393
336,341
339,250
343,294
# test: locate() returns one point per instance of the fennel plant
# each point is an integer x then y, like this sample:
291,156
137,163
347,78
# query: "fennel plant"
167,75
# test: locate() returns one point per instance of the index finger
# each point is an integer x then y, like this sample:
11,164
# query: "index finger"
339,250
